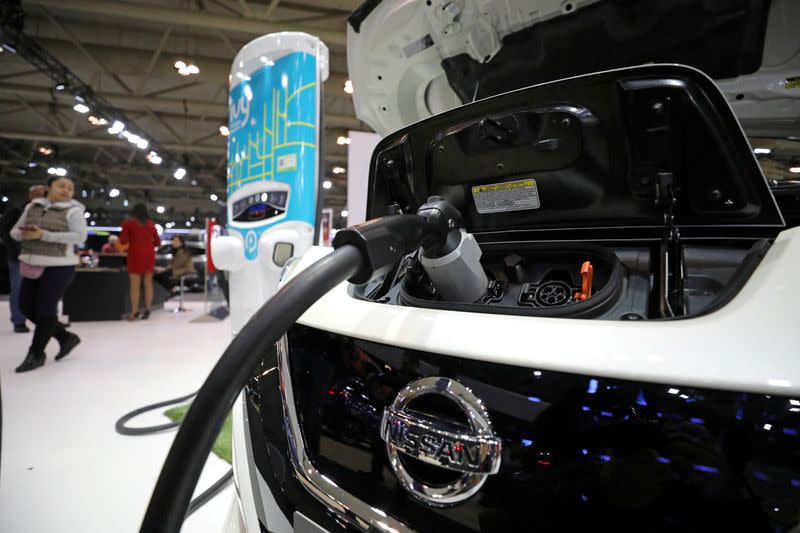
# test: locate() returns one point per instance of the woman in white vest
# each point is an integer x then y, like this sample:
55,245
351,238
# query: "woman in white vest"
50,230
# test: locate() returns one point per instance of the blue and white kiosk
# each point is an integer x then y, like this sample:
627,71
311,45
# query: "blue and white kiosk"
274,163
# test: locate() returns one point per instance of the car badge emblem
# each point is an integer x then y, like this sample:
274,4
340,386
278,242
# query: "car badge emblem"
472,453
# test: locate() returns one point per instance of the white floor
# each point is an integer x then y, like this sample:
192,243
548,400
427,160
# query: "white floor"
64,468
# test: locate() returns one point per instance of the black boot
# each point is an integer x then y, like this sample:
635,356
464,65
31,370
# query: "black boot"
32,360
67,342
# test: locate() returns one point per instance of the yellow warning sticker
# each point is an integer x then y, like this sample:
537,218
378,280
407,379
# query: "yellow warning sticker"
508,196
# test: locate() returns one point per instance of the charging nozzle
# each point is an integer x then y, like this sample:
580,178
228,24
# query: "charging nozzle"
382,242
449,254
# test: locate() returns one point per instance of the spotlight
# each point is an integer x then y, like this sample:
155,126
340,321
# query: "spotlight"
186,69
344,213
795,170
339,170
44,150
97,121
5,199
224,131
113,193
327,184
762,151
348,87
214,197
180,173
343,140
142,144
160,209
116,128
188,224
60,86
81,108
154,158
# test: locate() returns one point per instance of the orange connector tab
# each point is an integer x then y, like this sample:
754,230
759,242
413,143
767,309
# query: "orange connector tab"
587,273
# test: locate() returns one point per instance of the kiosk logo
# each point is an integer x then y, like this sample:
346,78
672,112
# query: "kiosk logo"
239,111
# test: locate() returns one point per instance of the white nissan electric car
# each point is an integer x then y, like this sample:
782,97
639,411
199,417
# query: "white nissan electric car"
607,340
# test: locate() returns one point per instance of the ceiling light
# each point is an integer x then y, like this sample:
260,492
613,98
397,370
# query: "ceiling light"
33,164
81,108
762,151
192,219
125,202
179,173
132,137
160,209
348,87
60,87
338,170
169,225
92,223
327,184
224,131
61,171
79,98
116,128
343,140
97,121
44,150
795,170
143,144
5,199
188,224
87,215
214,197
345,213
113,193
9,48
194,182
186,69
154,158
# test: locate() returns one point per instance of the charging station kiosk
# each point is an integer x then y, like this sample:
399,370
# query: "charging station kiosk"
274,161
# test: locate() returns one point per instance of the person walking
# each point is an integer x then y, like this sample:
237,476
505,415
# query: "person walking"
50,230
12,247
139,233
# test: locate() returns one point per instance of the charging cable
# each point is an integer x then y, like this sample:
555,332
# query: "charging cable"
360,253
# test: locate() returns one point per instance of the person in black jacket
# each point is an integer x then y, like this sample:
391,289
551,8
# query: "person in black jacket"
10,218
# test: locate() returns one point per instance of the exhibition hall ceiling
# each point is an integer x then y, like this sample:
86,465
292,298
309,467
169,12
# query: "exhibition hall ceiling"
127,53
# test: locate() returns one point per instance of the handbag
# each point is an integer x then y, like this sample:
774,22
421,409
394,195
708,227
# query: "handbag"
29,271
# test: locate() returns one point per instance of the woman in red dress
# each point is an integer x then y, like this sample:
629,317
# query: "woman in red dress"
140,234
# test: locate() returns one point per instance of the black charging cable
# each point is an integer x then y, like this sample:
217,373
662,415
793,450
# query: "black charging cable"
360,253
123,429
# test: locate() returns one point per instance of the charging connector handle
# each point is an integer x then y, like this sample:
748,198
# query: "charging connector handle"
382,242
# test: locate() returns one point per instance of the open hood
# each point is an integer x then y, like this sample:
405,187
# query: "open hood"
634,148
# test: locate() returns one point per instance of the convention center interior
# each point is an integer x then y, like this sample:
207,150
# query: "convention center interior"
394,266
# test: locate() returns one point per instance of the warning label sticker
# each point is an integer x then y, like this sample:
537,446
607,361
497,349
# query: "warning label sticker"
509,196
